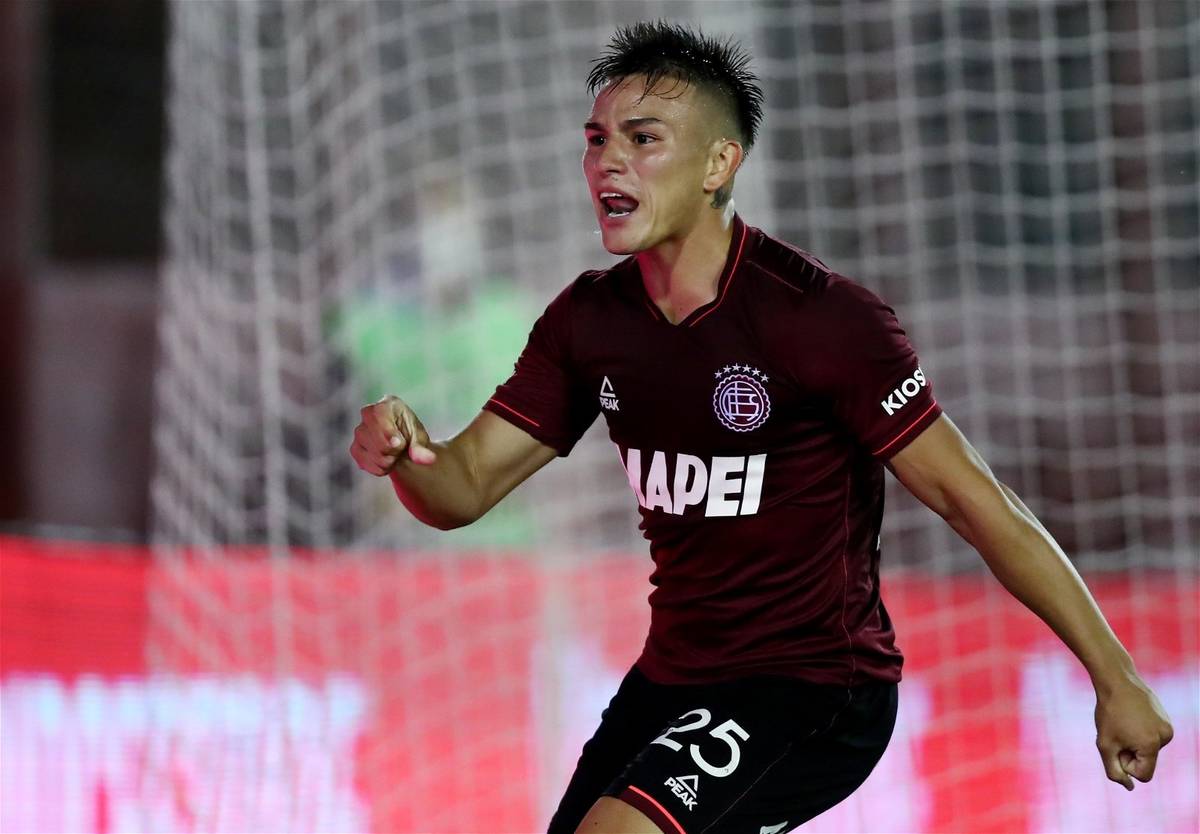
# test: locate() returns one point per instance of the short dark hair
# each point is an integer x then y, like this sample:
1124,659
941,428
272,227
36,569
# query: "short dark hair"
664,50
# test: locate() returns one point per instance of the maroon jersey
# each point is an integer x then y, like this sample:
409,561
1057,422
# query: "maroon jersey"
753,433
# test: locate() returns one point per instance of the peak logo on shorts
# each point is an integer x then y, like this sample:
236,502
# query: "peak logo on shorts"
684,787
608,397
903,392
726,486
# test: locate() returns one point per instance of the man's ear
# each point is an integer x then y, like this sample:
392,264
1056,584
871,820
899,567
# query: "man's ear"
724,158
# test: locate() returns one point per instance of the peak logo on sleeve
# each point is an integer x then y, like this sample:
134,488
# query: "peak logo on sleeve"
903,392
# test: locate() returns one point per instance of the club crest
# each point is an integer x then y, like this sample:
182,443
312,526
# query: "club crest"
740,399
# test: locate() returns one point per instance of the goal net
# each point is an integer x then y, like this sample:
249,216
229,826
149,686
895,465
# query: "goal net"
380,197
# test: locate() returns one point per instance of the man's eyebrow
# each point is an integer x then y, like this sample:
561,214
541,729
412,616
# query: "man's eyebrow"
627,124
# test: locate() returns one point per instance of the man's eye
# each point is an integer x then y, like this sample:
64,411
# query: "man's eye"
643,138
596,140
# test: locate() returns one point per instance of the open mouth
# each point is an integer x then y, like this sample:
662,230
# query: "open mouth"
617,205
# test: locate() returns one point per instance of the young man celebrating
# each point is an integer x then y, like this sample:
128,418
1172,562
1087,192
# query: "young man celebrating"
755,397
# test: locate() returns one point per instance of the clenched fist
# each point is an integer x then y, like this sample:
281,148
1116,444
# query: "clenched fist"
388,428
1131,727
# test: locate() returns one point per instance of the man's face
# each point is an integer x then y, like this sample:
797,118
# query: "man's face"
651,150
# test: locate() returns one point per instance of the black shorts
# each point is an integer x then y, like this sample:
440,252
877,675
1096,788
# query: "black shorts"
759,755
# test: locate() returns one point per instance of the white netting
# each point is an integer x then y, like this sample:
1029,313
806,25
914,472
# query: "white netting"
381,196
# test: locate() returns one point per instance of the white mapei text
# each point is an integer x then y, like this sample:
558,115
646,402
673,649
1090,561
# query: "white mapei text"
726,486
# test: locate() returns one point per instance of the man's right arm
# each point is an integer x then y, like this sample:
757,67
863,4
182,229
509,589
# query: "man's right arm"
450,483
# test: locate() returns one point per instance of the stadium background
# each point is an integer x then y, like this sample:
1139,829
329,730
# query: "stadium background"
211,622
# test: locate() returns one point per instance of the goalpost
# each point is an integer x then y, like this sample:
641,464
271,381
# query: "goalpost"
380,197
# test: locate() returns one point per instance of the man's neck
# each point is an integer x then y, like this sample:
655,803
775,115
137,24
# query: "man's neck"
681,275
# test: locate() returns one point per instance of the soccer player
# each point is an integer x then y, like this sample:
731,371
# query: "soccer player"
755,397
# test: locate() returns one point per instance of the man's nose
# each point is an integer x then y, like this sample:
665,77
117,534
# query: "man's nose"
612,158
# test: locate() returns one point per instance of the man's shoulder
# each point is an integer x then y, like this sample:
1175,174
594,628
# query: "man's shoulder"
596,295
604,278
789,266
805,279
595,286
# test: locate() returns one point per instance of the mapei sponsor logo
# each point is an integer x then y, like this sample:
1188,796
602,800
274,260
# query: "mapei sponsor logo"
685,788
727,486
903,392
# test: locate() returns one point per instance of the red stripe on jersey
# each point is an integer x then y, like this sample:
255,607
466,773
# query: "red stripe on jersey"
771,274
911,426
732,271
654,311
514,411
656,812
846,584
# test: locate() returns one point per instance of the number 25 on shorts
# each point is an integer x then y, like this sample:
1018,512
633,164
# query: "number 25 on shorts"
725,732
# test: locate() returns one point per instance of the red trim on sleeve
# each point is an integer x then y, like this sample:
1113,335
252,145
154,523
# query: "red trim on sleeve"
911,426
732,272
657,813
514,411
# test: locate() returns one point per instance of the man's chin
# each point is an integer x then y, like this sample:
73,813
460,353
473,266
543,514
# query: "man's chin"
619,244
620,249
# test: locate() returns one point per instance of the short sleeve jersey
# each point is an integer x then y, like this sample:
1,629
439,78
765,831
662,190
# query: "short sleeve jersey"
753,433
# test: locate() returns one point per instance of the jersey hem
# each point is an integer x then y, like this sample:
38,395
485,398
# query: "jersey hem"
830,675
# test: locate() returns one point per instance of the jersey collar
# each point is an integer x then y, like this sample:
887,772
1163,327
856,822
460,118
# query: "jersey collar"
733,259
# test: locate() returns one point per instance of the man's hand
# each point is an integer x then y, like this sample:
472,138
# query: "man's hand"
388,428
454,481
1131,727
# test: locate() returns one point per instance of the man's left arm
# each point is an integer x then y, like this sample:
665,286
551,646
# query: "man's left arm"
945,472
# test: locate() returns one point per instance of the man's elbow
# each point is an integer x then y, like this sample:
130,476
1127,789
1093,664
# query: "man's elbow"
445,519
975,514
450,523
993,523
443,508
